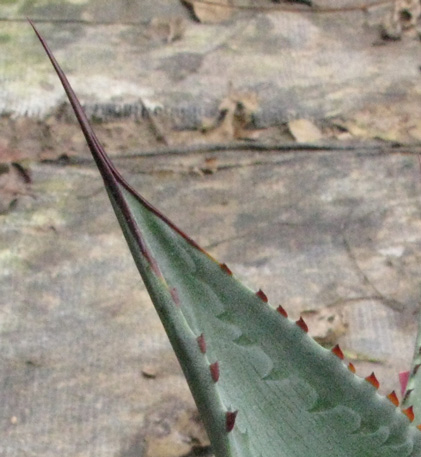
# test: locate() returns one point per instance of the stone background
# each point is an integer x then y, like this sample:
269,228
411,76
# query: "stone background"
323,214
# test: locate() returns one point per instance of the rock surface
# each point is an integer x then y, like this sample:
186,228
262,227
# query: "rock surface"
85,367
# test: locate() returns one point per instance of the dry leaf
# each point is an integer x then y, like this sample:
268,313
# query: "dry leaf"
166,29
304,131
404,15
326,325
149,371
14,182
378,122
173,431
235,115
213,11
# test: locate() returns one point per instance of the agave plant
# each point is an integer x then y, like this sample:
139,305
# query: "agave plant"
263,386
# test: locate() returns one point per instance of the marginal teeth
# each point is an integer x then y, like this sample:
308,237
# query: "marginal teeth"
373,380
338,352
302,324
407,394
174,295
351,368
262,295
214,370
202,343
282,311
409,413
393,398
230,420
225,268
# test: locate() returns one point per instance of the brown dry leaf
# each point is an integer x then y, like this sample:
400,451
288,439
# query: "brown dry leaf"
403,16
174,431
379,122
304,131
149,371
166,29
213,11
235,116
325,325
14,182
210,166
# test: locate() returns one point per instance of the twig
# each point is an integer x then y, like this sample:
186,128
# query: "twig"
296,8
394,148
299,148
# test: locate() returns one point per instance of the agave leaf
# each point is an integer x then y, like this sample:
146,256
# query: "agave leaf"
262,385
412,397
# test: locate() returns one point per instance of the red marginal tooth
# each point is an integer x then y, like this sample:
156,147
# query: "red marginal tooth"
230,417
403,381
302,324
419,427
262,295
225,268
409,413
281,311
373,380
338,352
214,370
393,398
351,367
406,396
202,343
174,295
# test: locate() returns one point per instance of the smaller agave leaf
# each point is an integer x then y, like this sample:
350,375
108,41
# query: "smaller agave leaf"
412,397
262,385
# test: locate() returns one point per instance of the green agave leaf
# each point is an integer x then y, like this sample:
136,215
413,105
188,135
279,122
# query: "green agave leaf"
412,396
262,385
